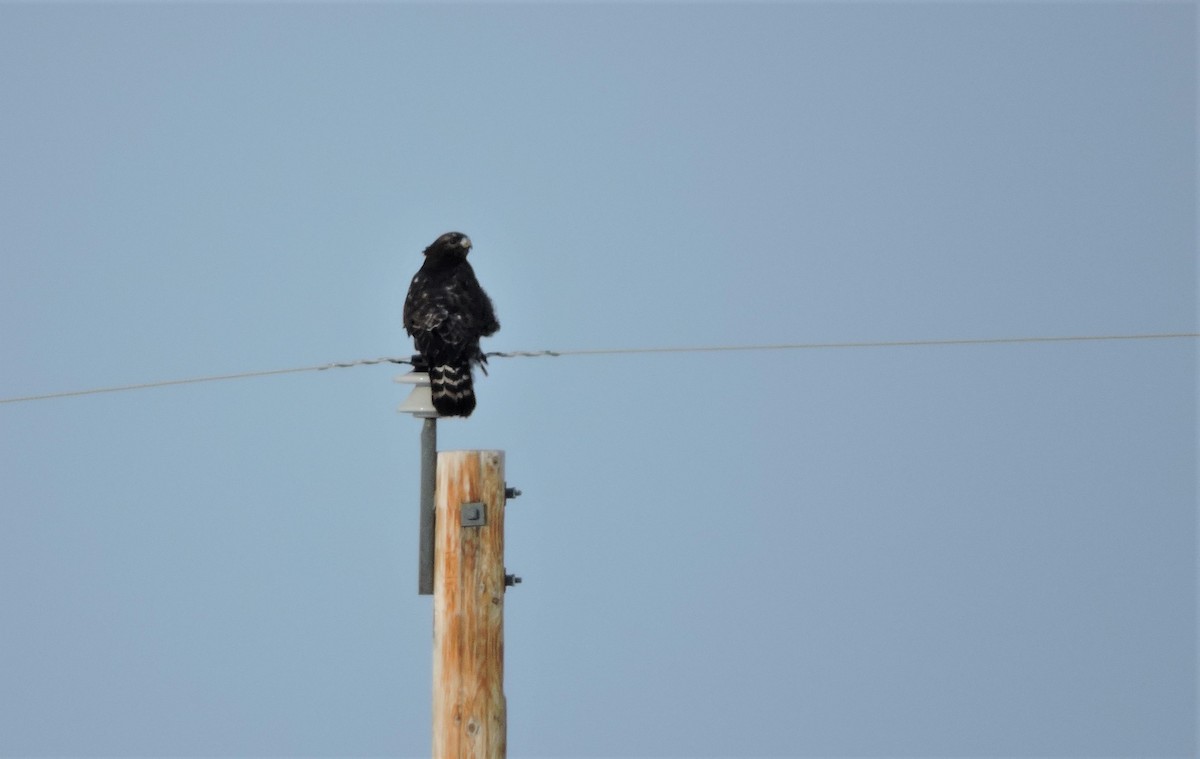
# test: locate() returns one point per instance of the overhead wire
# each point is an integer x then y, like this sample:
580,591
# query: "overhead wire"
208,378
867,344
616,351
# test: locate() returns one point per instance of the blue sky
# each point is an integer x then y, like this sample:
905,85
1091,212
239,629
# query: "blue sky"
984,550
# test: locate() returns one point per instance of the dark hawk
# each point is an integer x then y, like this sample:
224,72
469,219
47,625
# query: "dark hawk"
446,312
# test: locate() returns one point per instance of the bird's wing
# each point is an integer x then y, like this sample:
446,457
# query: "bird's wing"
439,316
475,303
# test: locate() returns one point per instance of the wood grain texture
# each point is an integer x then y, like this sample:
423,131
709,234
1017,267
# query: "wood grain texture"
469,710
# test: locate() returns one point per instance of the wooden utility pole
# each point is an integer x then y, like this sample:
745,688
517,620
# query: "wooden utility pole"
469,711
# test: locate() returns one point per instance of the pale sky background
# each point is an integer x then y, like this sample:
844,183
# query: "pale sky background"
927,551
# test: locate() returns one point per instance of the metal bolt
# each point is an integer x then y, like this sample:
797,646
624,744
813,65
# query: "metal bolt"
511,580
511,493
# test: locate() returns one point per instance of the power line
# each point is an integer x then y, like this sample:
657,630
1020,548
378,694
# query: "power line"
874,344
210,378
616,351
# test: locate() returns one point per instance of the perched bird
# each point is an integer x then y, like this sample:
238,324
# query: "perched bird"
446,312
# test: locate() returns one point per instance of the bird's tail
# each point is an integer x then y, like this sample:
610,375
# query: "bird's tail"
452,388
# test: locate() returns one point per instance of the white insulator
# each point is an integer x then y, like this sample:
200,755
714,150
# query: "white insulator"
419,402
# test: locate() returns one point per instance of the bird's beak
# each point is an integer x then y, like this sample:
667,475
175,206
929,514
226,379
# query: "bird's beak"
465,242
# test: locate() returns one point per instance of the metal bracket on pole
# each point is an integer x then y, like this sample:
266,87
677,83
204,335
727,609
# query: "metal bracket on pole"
474,514
428,483
420,404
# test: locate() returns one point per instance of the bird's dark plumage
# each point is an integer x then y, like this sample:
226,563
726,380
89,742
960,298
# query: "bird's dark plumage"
447,312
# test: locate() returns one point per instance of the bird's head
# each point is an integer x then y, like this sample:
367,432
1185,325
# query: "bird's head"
452,243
